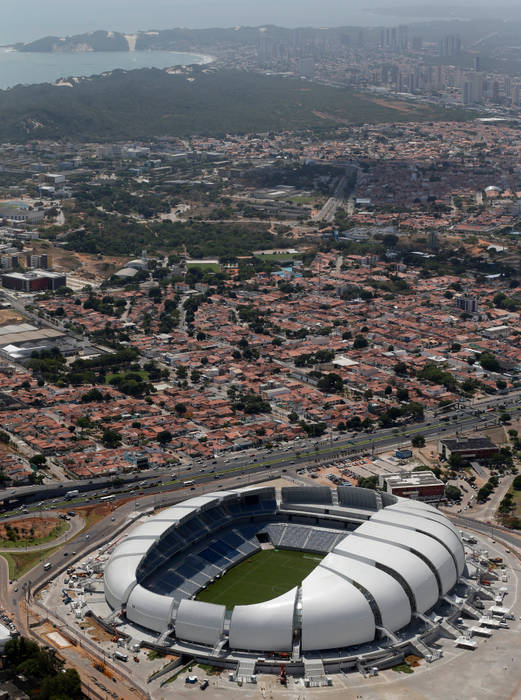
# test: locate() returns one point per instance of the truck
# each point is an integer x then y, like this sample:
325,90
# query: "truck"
71,494
121,656
47,566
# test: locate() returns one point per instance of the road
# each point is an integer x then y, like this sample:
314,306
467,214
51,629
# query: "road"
297,454
488,529
328,211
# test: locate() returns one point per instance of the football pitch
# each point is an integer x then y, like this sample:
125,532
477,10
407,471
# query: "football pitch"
263,576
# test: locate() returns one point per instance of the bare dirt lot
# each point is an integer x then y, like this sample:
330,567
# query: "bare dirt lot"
33,528
8,316
91,267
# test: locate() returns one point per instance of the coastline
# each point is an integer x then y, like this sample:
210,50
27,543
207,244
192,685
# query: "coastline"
35,68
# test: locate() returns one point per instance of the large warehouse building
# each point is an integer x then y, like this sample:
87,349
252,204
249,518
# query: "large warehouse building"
388,562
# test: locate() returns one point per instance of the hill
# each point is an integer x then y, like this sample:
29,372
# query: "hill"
90,41
146,103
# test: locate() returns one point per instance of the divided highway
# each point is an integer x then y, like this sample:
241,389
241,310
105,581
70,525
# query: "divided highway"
291,457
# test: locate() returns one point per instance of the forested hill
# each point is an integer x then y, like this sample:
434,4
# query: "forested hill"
151,102
91,41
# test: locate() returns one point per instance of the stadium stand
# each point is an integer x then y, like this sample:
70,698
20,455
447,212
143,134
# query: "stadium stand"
306,494
357,498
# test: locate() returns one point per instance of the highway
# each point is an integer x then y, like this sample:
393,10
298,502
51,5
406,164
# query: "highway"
466,418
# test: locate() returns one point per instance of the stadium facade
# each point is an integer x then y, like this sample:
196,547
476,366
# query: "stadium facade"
388,579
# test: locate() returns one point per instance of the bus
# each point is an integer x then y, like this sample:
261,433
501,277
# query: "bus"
108,498
188,483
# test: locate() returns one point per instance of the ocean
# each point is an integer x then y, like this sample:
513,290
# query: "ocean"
26,68
27,20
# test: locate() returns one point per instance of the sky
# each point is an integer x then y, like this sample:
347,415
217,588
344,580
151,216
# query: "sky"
25,20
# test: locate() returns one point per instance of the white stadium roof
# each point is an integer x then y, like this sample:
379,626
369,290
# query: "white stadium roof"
399,561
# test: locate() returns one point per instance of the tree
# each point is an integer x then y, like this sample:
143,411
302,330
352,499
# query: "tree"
517,483
489,362
111,438
402,394
38,460
92,395
331,383
4,437
418,441
61,686
484,493
164,437
360,342
400,368
180,408
456,461
369,482
453,493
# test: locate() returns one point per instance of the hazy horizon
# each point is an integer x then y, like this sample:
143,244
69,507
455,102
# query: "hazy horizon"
26,20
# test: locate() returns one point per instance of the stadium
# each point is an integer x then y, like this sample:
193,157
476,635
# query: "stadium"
321,578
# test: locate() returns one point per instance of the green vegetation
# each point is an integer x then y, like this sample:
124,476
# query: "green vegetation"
22,562
265,575
111,234
153,655
403,668
205,267
96,41
369,482
46,677
50,365
418,441
213,103
18,539
437,375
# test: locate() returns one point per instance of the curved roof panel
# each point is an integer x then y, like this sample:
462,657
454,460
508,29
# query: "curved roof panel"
340,618
148,609
200,622
431,527
413,571
264,626
430,549
120,579
389,595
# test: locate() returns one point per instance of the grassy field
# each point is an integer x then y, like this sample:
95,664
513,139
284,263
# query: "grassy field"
204,267
21,563
265,575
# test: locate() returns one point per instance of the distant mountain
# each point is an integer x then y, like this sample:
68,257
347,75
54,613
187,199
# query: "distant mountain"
197,100
91,41
182,39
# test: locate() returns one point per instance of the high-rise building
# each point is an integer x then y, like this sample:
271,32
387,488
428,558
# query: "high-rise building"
450,45
468,303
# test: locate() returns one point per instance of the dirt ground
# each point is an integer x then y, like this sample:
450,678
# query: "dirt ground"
96,632
42,526
93,267
8,316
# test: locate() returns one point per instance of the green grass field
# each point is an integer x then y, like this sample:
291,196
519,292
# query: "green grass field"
204,267
264,575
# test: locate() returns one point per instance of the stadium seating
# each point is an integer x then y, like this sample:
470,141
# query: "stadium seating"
357,498
306,494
